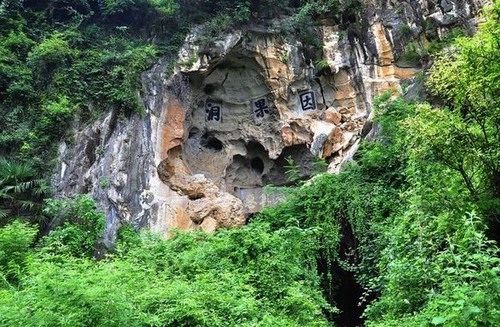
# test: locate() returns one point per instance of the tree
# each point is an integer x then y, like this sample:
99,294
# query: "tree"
20,191
466,78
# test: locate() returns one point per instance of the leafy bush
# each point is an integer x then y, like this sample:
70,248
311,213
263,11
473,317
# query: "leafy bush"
81,226
49,55
261,277
20,191
16,240
412,54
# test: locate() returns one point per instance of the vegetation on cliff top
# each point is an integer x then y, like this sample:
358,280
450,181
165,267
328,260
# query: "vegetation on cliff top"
414,218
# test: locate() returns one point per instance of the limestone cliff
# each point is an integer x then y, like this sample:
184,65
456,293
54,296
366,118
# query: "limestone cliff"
219,128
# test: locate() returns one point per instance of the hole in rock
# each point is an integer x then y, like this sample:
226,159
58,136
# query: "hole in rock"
241,175
209,89
249,218
90,151
257,152
193,132
343,290
210,142
196,196
257,165
256,148
493,231
302,158
349,292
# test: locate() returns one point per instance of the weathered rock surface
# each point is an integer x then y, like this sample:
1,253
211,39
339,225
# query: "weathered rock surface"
222,125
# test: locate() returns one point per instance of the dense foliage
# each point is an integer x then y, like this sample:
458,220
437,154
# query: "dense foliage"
247,277
414,217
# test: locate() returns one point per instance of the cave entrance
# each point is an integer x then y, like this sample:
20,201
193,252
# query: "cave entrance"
341,290
257,165
339,285
347,301
301,157
246,169
212,143
493,230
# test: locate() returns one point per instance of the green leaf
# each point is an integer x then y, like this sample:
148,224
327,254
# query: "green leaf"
472,310
438,321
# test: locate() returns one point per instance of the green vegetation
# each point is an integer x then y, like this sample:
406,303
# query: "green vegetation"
414,51
321,64
415,217
412,54
61,62
247,277
405,29
20,191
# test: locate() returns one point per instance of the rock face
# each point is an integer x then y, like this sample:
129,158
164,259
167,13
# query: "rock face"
222,125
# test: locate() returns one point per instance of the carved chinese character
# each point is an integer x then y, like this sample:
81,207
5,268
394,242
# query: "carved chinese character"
213,112
308,100
260,108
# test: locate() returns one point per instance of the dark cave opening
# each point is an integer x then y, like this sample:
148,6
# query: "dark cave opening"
342,291
255,148
257,165
340,286
493,230
210,142
301,157
209,89
347,301
249,218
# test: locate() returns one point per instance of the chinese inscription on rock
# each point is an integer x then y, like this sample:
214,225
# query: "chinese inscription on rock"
260,108
213,112
307,100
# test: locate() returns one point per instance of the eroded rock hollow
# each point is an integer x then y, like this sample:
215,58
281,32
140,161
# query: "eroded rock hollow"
221,125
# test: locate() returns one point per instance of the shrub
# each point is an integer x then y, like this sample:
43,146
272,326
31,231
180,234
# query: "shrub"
81,226
16,240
